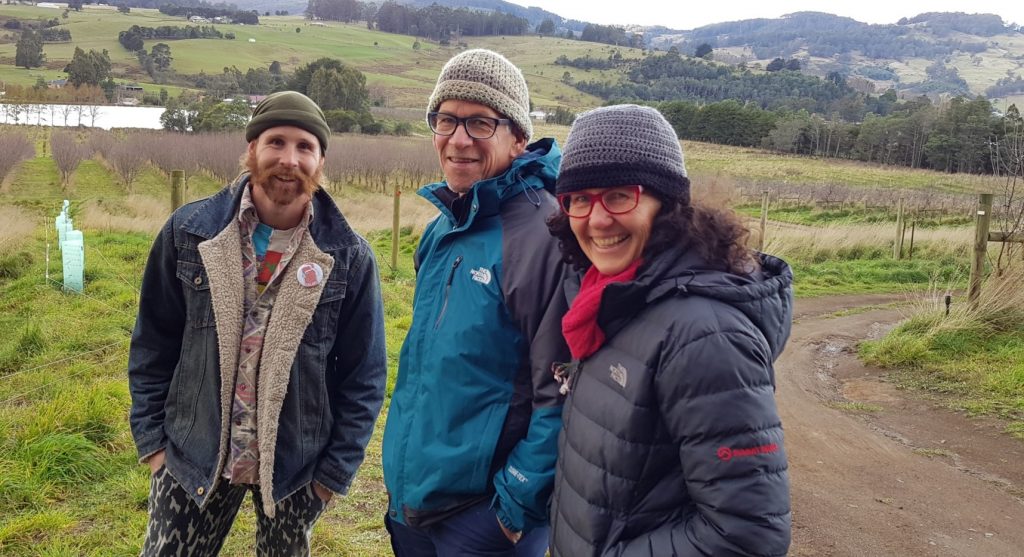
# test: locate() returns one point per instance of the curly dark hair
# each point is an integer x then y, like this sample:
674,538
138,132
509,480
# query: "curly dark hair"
716,233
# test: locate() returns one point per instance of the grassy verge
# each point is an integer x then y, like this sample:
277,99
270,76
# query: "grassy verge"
971,360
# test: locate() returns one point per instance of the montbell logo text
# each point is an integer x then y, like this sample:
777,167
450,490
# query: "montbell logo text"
725,454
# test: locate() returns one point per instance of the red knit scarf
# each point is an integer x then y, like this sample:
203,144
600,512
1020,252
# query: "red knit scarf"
579,324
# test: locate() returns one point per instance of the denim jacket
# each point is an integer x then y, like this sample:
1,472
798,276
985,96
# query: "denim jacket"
323,367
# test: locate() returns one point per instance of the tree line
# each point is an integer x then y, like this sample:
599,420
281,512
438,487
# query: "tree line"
135,37
436,22
826,35
233,15
670,76
339,89
961,135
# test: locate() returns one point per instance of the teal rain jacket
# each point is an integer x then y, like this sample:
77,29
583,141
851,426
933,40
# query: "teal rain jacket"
476,411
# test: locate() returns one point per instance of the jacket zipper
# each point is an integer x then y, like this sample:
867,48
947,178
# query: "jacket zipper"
447,291
573,373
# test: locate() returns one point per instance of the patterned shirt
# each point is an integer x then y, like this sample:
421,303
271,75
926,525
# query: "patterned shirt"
265,253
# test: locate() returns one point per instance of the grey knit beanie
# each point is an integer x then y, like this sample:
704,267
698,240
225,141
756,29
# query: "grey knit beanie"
623,145
289,108
486,77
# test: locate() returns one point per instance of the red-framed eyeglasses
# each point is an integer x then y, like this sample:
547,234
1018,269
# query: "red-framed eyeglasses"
615,201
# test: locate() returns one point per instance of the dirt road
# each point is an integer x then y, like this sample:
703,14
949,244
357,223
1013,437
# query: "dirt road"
911,479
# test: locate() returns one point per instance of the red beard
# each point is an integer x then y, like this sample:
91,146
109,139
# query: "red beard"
281,193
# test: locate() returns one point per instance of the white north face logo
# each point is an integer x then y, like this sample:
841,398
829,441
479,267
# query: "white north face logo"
619,374
481,275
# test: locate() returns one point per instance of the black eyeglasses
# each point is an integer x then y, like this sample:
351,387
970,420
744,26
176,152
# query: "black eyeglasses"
478,127
615,201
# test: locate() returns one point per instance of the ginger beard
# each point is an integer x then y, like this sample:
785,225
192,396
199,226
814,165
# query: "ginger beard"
274,180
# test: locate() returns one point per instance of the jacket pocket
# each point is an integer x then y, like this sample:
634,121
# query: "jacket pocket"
196,286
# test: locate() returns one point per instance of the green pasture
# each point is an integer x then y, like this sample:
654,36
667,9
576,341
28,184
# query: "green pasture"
388,60
762,166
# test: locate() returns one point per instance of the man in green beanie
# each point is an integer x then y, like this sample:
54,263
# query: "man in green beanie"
471,437
257,362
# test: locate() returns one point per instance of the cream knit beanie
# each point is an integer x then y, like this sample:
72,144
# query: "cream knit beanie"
486,77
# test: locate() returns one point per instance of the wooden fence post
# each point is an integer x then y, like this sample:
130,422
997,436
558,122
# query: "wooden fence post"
897,248
395,230
913,226
177,188
764,219
983,222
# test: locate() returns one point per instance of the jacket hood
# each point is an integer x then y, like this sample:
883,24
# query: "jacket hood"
764,296
536,169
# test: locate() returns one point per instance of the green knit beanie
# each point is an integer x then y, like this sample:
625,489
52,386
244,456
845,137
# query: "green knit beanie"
486,77
289,108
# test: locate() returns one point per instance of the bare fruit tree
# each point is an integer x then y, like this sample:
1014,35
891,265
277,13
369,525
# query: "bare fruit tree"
127,161
14,148
67,154
1008,160
219,154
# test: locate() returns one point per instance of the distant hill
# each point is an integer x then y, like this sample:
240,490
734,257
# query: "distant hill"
532,14
932,53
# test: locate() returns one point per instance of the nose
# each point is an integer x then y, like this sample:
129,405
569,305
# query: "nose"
599,216
289,157
461,137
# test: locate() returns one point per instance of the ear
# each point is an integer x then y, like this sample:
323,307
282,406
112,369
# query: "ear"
252,146
519,147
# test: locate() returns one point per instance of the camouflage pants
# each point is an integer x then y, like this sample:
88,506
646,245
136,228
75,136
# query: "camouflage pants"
178,527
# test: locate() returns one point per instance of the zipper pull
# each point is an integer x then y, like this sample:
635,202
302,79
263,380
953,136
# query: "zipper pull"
451,274
564,374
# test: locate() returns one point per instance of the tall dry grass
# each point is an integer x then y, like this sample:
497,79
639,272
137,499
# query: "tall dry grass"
1000,305
862,241
15,225
367,212
133,213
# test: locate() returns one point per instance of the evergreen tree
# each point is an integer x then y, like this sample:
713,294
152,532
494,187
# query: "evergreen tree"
88,68
161,55
29,50
351,93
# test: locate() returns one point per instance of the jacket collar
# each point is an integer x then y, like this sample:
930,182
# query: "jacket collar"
764,296
531,172
329,229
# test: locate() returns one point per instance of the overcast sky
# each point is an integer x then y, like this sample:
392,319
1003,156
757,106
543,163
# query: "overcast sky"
680,14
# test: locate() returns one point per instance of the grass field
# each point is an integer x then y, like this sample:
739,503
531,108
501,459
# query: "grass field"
387,60
69,483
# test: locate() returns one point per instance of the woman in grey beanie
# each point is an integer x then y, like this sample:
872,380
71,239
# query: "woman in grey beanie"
671,442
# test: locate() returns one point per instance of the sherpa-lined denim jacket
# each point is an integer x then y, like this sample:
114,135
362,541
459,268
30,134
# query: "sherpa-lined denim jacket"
323,366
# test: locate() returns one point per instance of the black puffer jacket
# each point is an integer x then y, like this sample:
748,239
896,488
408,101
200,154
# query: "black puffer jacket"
671,442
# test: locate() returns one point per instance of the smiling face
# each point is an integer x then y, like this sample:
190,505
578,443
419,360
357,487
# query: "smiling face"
465,160
286,164
613,242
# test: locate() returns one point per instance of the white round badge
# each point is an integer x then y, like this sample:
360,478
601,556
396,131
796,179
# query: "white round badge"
309,274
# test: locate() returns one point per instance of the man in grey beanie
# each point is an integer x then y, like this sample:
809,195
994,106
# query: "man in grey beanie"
259,301
470,441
